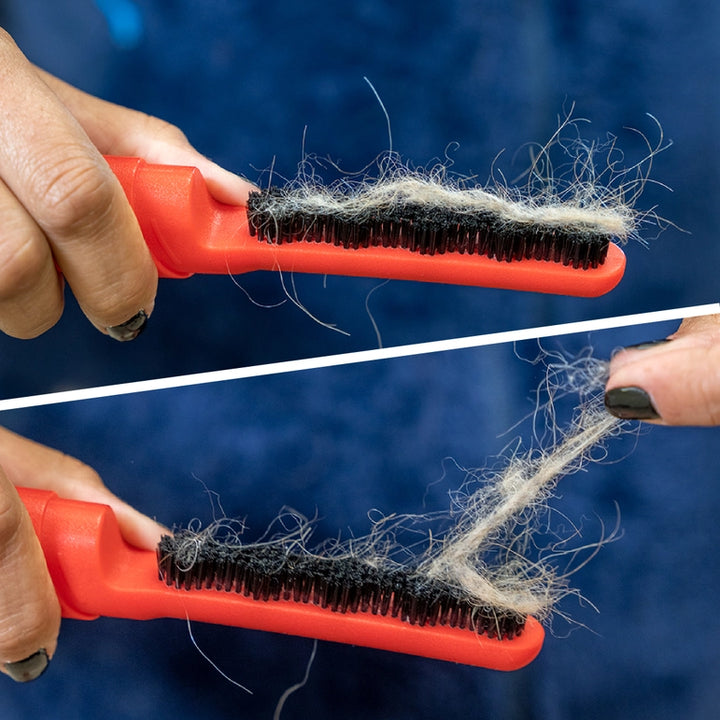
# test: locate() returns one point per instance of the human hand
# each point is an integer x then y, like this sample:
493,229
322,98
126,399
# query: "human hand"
675,381
29,609
61,207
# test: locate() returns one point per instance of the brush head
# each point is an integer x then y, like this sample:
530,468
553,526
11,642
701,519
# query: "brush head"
271,572
277,216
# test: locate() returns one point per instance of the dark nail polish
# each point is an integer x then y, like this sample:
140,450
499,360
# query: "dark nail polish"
648,345
630,403
30,668
129,330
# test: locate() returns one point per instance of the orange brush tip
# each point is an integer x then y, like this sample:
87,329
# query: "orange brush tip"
188,232
96,573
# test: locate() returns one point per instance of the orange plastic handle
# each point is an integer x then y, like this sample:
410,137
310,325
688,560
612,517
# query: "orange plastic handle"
95,572
188,231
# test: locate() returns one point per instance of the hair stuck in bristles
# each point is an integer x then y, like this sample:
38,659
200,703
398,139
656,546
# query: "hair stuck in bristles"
565,214
475,566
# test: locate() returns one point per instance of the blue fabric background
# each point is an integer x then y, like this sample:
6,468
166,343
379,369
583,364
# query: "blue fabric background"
243,80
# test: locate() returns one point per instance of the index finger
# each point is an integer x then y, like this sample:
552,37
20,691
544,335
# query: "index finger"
29,609
65,185
675,381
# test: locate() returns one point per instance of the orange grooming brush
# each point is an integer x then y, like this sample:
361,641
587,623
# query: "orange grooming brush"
189,232
95,572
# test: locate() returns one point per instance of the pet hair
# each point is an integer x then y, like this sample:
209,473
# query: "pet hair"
428,212
476,575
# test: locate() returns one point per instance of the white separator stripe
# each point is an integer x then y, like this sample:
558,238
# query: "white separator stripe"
357,357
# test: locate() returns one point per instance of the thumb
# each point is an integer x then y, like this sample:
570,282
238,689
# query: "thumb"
117,130
30,464
674,381
29,609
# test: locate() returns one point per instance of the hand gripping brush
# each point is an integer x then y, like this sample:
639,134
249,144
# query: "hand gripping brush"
97,573
188,232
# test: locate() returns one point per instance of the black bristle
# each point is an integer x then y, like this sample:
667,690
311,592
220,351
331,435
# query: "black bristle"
340,584
428,231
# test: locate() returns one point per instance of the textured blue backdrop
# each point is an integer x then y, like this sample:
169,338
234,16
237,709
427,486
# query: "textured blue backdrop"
243,80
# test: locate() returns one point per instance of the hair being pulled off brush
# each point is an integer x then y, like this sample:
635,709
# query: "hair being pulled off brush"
477,573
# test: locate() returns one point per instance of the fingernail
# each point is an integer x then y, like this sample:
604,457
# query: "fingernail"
648,345
30,668
129,330
630,403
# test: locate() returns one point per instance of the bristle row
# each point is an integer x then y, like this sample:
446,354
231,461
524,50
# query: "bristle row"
341,584
428,231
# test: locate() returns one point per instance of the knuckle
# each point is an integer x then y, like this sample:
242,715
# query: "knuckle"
80,475
23,257
165,131
76,196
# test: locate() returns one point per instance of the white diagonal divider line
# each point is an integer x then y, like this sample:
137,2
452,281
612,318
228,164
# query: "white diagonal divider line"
361,356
